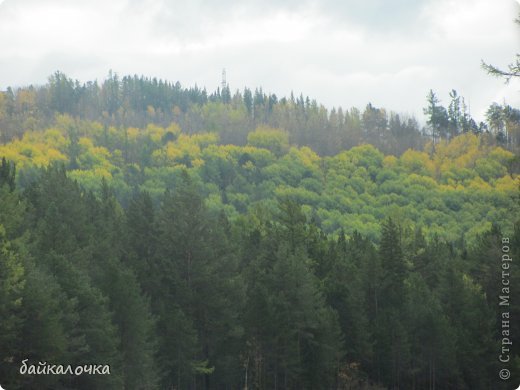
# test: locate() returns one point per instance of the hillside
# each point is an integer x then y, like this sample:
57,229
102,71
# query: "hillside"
185,241
456,191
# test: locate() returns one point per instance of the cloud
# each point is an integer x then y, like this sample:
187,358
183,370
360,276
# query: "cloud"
340,52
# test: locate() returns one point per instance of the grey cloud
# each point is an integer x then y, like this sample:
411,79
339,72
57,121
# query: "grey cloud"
376,15
347,53
200,16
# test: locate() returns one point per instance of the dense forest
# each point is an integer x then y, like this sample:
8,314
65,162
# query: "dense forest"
133,101
217,241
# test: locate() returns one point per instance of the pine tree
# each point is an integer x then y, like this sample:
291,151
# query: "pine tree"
12,282
473,322
7,174
393,265
391,343
141,242
131,311
437,118
199,278
432,352
345,292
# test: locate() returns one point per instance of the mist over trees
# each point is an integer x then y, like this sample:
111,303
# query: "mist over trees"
135,101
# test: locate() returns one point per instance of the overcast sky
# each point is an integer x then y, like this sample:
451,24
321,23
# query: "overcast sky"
340,52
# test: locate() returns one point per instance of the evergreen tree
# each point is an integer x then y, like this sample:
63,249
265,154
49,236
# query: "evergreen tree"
141,242
7,174
391,341
12,282
437,118
131,312
432,352
200,279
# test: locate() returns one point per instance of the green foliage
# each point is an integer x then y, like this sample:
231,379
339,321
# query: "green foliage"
195,241
12,281
7,174
178,295
275,140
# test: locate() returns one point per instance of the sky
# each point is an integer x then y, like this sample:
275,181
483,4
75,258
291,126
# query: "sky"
340,52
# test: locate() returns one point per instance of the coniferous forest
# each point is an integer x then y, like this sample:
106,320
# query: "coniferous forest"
195,240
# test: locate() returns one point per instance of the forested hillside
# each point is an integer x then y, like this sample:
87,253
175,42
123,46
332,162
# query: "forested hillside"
133,101
454,190
194,240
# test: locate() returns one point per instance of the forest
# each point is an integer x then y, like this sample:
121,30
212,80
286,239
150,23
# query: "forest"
219,241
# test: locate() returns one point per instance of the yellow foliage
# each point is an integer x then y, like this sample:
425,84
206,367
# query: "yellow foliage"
501,155
197,163
55,155
478,184
203,140
156,132
423,181
249,166
54,137
183,139
64,122
307,157
417,162
132,133
390,161
450,186
507,184
85,143
275,140
462,151
159,157
174,128
11,153
102,172
183,147
40,160
229,149
462,144
31,137
251,150
90,177
101,151
468,160
444,166
32,150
